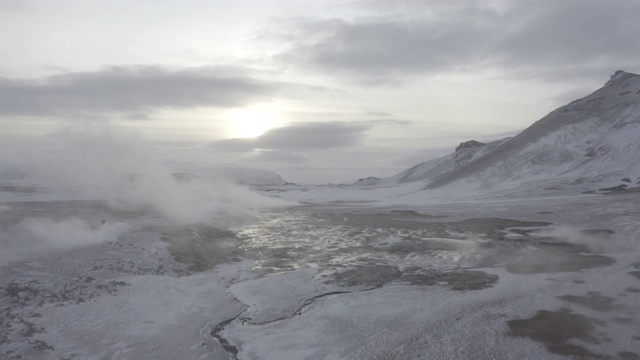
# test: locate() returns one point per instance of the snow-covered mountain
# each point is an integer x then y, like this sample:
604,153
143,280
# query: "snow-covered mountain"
465,153
591,143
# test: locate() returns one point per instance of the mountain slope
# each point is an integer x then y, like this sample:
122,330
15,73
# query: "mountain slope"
465,153
593,140
590,144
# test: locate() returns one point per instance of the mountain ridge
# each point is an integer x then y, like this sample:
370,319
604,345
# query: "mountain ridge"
591,142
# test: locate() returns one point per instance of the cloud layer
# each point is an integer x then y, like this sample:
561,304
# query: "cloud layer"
404,38
300,136
131,90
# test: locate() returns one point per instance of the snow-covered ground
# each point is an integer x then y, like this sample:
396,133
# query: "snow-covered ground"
536,278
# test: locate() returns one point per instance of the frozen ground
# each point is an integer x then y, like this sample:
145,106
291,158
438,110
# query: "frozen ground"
501,278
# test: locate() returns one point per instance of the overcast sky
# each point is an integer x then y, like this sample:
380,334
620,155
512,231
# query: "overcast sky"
317,91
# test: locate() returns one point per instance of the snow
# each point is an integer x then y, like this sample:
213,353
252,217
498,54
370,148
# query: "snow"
429,169
153,317
470,256
167,316
586,145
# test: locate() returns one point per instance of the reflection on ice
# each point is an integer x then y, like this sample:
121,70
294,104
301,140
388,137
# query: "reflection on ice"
336,238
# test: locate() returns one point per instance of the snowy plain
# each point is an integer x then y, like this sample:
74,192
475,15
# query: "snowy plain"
331,279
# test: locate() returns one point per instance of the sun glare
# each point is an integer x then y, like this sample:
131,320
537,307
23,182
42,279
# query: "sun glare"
248,123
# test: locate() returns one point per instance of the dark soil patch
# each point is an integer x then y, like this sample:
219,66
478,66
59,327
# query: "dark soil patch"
370,275
556,258
628,355
556,328
457,280
593,300
598,232
202,247
623,320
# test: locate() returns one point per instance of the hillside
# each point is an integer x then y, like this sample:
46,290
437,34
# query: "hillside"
465,153
589,144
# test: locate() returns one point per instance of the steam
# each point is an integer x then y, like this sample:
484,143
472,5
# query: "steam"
34,236
69,233
599,241
133,175
122,170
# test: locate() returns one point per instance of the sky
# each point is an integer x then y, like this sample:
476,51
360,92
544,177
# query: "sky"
316,91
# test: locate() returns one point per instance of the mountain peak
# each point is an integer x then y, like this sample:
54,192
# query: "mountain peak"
469,144
619,75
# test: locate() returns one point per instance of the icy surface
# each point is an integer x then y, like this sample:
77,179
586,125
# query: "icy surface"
462,279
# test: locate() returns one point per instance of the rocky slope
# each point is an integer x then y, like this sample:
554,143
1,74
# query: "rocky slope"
465,153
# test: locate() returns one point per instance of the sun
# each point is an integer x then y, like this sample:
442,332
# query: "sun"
251,122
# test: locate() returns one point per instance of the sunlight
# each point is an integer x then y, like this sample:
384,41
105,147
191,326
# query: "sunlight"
252,122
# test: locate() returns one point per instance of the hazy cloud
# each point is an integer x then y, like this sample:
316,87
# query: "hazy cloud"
12,5
404,38
279,156
300,136
389,122
131,90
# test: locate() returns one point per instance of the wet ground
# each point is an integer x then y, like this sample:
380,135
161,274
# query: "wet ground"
353,250
304,259
339,239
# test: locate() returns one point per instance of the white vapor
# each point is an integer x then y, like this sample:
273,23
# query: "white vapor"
597,242
33,236
130,174
69,233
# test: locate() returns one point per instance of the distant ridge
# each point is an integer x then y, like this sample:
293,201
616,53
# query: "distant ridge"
239,174
466,152
590,144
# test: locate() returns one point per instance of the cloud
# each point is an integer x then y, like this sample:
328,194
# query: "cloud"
129,174
132,90
278,156
12,5
300,136
404,38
